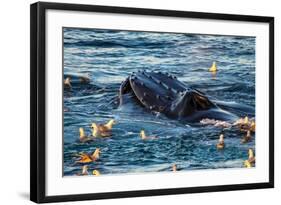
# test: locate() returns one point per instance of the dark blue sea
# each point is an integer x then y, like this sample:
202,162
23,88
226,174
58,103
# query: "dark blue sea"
109,56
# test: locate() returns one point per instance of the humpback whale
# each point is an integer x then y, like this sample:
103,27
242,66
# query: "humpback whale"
164,93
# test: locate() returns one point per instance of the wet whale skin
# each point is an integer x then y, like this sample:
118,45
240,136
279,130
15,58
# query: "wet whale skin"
164,93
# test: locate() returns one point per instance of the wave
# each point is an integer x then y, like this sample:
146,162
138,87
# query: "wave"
115,44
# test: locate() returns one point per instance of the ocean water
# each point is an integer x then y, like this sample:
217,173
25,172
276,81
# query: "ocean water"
108,57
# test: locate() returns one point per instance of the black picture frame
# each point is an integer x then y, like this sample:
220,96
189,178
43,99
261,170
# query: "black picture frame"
38,101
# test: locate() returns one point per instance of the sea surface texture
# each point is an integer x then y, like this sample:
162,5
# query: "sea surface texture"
108,57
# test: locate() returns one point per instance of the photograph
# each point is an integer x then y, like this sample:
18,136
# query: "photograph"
137,102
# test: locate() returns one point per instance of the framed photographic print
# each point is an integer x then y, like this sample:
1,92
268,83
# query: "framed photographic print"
129,102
